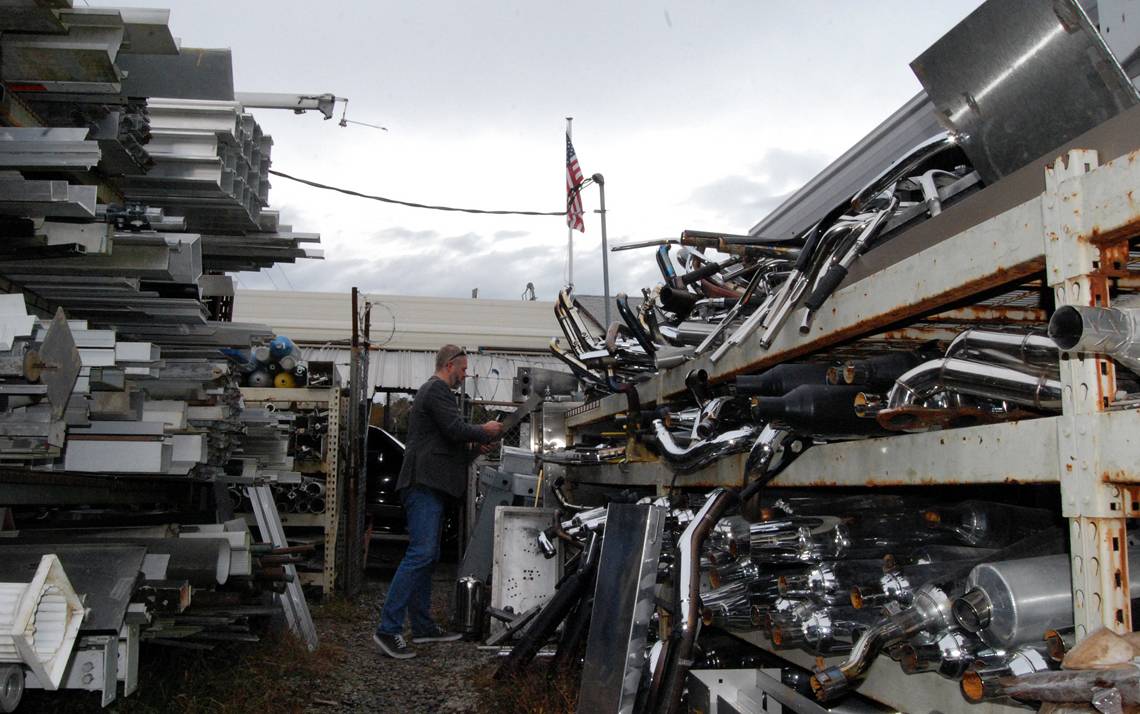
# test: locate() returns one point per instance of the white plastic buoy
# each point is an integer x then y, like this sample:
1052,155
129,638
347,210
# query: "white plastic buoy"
39,621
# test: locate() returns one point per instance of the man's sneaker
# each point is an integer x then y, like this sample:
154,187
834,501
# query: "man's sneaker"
393,645
437,634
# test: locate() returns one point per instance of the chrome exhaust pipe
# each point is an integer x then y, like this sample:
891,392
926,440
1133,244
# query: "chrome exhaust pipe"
700,453
1007,348
987,679
1112,331
978,379
1017,601
931,611
949,654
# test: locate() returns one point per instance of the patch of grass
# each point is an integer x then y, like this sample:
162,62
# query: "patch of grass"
533,691
340,609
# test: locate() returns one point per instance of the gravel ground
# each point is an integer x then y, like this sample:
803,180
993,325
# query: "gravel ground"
440,679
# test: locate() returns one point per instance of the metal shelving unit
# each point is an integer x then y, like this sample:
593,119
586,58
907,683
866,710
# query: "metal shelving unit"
1075,237
300,399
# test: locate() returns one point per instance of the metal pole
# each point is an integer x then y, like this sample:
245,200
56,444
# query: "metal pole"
354,565
569,231
600,180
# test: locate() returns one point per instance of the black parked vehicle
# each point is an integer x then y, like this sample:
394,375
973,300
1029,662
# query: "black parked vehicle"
383,459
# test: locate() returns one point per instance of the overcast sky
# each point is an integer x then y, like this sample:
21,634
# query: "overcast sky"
699,115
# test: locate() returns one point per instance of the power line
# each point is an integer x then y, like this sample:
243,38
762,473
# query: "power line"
410,204
281,269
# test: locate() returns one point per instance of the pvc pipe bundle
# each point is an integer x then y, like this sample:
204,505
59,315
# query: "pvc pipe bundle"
39,621
276,364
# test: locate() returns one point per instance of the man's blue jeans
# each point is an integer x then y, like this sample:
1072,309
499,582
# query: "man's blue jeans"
410,590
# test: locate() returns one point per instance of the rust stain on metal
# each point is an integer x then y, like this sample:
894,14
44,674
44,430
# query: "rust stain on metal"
1118,478
1114,258
871,325
988,314
1130,497
1129,229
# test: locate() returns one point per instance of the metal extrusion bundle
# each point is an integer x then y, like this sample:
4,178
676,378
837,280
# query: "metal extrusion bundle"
211,164
128,396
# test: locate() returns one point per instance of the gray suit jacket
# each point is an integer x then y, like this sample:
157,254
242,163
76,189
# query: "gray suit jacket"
437,452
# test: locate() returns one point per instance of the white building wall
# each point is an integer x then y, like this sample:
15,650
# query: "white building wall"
489,375
402,322
499,334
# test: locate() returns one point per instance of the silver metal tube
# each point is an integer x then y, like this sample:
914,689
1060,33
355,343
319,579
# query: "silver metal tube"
979,379
1006,348
701,451
931,611
1112,331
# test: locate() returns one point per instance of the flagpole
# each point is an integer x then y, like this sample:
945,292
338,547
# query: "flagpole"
570,233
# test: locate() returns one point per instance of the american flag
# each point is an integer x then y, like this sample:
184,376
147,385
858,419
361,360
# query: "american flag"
574,210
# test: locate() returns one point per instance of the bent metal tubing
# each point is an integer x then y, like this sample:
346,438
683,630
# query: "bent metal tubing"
978,379
770,445
699,453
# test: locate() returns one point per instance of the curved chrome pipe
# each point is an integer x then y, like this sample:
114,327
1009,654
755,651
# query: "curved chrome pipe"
689,584
978,379
904,167
699,453
931,611
1113,331
707,422
1009,348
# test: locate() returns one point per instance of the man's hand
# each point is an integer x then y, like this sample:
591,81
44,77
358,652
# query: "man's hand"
493,429
487,448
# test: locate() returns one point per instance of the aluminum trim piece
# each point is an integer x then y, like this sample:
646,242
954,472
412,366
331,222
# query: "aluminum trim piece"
292,601
623,603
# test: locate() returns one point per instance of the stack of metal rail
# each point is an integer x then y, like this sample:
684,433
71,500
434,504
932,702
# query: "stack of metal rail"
124,396
20,197
211,164
120,124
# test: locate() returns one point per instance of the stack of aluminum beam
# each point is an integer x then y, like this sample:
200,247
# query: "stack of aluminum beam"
44,198
50,46
211,164
128,380
49,149
121,126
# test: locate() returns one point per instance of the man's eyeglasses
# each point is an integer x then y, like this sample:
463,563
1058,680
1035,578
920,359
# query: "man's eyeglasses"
457,355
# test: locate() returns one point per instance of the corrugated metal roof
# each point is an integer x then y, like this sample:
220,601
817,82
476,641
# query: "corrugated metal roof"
403,322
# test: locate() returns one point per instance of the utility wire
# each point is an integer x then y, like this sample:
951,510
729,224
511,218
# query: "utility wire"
410,204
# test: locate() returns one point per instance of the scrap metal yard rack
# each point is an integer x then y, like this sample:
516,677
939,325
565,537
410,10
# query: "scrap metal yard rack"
1073,232
303,400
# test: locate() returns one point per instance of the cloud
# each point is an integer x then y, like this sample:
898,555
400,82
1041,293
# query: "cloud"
745,199
441,269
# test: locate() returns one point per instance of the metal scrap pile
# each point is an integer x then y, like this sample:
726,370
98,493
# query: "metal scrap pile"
130,181
837,331
752,284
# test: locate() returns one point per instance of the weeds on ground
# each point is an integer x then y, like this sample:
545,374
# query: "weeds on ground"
533,691
339,609
277,674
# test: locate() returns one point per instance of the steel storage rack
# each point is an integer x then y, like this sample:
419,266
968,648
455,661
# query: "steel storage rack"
302,400
1074,233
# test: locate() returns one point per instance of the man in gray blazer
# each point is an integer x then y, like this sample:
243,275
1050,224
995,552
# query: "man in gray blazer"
439,447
